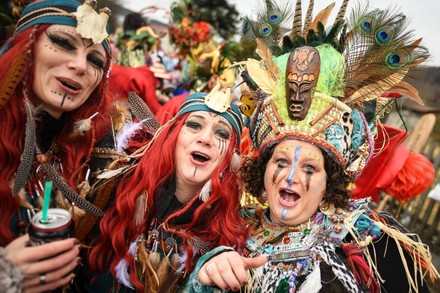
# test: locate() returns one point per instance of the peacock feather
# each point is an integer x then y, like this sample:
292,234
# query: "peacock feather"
271,20
377,47
379,51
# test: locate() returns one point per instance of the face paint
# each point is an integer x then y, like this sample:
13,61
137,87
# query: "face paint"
66,73
292,170
283,213
314,156
308,178
275,174
201,147
64,98
291,202
318,186
221,145
195,171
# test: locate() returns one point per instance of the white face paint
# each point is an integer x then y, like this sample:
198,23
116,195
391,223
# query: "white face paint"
295,181
67,69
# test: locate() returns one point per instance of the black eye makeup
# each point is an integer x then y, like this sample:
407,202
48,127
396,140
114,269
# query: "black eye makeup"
61,41
66,41
193,124
96,61
223,133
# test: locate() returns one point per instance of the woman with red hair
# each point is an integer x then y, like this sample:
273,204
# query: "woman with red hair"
53,106
180,201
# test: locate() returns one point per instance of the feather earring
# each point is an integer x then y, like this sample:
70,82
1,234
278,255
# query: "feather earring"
84,186
205,193
163,271
27,157
235,163
81,127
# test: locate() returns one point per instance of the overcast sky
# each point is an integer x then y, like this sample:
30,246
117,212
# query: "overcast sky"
424,15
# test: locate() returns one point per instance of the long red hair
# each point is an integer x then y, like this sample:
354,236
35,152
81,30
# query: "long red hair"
216,221
74,153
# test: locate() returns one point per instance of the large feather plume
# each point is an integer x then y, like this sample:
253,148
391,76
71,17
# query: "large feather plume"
269,25
378,52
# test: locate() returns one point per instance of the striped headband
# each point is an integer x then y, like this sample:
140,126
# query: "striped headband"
52,12
196,102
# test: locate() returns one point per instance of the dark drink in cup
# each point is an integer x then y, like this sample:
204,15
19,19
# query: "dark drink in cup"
59,225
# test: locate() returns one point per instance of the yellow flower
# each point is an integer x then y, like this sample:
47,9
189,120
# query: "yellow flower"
186,21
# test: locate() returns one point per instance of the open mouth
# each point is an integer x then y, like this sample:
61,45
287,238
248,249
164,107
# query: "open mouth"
289,196
70,85
199,157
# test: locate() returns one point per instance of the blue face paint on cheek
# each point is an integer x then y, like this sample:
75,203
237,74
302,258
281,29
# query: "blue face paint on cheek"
319,183
283,213
292,170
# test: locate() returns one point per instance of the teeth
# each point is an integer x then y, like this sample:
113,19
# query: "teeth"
289,196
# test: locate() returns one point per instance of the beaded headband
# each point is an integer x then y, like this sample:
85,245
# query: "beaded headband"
328,87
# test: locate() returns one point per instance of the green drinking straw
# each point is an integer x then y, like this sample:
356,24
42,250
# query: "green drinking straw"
46,200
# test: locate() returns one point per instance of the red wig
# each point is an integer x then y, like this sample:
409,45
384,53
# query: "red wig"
216,221
74,152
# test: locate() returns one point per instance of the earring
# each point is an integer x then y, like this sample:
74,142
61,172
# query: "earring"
235,163
205,193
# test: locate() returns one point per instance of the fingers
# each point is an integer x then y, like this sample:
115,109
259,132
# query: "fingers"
20,242
228,270
212,274
239,268
32,254
50,277
49,285
255,262
51,264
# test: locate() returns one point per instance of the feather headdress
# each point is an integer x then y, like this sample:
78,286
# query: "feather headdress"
328,84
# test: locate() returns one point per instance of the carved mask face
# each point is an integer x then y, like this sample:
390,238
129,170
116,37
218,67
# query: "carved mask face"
301,78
